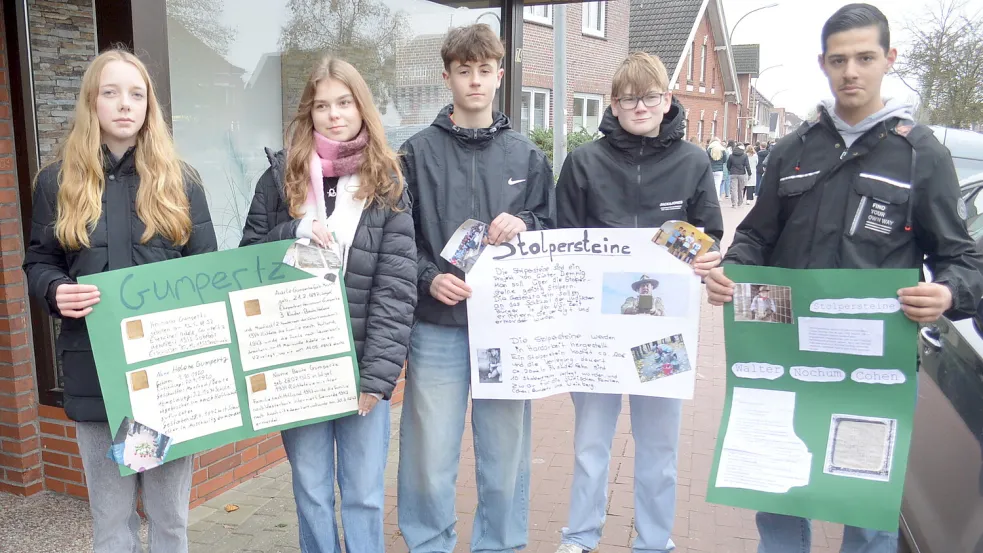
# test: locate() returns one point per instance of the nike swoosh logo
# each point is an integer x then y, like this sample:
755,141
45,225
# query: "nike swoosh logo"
514,182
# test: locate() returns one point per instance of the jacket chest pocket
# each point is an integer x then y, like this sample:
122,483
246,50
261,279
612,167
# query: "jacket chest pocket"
881,208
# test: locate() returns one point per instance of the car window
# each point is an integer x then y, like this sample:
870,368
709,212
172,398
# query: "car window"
974,215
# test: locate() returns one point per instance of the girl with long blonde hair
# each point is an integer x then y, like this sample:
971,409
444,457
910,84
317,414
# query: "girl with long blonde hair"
339,184
116,196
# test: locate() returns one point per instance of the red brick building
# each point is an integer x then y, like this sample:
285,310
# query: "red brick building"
596,42
691,38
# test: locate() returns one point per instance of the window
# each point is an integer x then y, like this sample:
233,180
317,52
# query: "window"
713,128
538,14
699,130
703,65
692,62
593,18
535,109
236,82
587,112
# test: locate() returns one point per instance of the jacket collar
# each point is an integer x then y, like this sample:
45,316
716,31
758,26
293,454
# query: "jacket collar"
671,130
125,165
471,137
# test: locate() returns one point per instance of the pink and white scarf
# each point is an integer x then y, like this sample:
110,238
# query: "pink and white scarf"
331,158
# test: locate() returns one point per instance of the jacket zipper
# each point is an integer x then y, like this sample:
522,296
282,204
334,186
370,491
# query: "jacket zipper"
856,217
474,169
638,188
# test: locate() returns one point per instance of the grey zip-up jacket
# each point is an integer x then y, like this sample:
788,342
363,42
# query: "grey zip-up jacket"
455,174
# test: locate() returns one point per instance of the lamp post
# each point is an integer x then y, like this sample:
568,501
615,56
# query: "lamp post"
734,28
730,44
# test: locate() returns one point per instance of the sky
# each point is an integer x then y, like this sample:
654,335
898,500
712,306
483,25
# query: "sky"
789,35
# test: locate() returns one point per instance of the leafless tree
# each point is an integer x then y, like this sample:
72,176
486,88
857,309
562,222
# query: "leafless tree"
201,19
365,33
945,58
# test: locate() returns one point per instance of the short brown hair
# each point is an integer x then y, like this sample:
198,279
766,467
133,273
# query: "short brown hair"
476,42
640,72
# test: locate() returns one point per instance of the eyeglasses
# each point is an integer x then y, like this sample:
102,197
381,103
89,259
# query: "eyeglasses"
650,100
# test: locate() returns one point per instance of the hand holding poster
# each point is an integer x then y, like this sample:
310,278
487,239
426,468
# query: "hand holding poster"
203,351
585,310
821,389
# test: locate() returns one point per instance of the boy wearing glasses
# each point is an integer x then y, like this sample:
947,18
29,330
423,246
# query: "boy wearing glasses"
640,174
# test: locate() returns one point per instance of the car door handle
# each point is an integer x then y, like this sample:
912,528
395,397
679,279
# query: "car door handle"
930,336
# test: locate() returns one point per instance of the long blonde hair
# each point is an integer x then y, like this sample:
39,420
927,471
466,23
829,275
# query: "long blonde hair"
161,202
380,175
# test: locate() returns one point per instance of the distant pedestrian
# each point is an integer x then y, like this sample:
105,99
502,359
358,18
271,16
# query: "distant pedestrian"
740,169
752,181
718,158
760,169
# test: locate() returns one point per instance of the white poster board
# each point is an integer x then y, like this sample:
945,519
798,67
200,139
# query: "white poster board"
582,310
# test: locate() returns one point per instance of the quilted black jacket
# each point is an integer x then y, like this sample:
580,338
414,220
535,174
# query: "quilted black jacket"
115,244
380,276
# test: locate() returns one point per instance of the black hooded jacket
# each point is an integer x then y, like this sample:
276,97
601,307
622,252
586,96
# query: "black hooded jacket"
624,180
738,163
454,174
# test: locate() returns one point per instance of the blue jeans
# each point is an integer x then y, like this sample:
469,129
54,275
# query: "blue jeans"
363,444
788,534
655,425
435,401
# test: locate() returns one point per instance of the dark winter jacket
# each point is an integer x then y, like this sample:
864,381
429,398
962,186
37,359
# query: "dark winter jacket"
380,276
717,165
624,180
738,163
115,244
890,200
455,174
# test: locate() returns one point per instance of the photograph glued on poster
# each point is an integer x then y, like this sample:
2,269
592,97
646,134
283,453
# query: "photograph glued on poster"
661,358
323,262
763,303
139,447
549,314
646,293
176,331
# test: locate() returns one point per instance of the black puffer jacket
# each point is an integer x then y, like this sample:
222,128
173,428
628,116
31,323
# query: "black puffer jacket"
115,245
380,276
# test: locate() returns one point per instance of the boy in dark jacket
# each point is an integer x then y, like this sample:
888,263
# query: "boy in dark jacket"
639,175
818,209
468,165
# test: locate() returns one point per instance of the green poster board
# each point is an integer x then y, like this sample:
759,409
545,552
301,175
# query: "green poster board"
851,409
147,312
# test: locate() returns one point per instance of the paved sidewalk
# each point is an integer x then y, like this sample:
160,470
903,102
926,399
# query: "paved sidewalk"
266,519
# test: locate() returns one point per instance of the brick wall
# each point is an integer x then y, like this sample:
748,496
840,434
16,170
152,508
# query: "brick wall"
63,41
215,471
20,456
591,61
707,96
